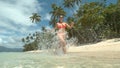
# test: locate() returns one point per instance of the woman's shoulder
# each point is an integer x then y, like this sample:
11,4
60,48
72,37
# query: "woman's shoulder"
64,23
61,23
57,22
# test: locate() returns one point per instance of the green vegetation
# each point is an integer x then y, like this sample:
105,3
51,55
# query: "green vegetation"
93,21
56,12
35,18
38,40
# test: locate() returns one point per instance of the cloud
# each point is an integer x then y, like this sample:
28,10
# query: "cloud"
48,27
0,40
11,41
15,22
47,16
15,13
18,11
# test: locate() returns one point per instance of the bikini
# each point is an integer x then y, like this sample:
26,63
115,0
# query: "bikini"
61,25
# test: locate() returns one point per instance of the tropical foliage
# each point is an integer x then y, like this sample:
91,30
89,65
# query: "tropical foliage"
39,40
35,18
71,3
56,12
30,42
93,22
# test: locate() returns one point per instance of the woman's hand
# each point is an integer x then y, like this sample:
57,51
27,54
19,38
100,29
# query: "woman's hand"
71,24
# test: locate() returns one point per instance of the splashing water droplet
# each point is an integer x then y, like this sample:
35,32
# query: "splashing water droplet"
49,40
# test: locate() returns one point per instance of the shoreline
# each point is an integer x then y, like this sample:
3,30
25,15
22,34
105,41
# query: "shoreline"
107,45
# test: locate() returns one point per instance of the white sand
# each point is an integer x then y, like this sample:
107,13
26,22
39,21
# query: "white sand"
108,45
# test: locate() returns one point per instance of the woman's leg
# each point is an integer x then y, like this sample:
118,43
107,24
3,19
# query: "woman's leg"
62,42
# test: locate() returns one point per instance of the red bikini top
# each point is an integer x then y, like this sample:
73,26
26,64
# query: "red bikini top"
61,25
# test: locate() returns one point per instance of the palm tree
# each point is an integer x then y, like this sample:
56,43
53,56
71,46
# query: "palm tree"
27,39
113,17
90,15
70,19
44,29
35,18
119,1
71,3
23,40
87,16
68,3
56,12
53,21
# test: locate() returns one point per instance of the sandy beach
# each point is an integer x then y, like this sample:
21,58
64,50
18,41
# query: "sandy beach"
111,45
107,45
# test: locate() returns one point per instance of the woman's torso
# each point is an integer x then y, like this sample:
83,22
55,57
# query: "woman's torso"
61,27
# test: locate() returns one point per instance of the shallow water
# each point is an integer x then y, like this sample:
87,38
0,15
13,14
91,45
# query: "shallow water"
46,60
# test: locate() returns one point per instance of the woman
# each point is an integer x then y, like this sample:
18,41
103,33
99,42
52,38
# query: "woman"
61,33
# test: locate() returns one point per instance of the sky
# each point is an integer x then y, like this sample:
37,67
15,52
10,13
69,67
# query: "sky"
15,23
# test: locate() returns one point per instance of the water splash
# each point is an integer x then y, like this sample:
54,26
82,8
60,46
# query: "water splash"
49,40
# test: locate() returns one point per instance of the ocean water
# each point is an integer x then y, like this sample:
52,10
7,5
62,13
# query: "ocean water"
46,60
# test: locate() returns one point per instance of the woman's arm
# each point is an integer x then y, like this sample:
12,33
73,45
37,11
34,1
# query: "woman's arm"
71,25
